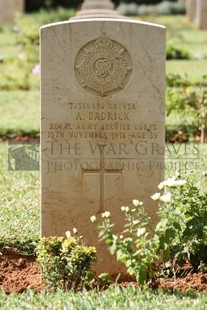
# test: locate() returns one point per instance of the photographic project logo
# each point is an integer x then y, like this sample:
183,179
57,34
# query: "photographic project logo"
23,156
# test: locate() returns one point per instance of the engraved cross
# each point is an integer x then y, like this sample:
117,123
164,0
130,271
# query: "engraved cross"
102,172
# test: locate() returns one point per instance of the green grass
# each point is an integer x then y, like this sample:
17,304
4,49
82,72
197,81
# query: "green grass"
20,202
20,111
113,298
191,68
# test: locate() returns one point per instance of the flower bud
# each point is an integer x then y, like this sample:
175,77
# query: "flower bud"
93,218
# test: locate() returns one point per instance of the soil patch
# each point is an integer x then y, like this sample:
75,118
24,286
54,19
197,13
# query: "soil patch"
18,273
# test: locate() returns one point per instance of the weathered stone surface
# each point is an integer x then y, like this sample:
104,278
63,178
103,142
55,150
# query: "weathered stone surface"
201,14
96,9
7,12
102,123
97,4
182,2
8,9
19,4
191,9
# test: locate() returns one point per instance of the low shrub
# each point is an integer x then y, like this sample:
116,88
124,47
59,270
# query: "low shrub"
128,9
173,52
176,80
149,8
65,262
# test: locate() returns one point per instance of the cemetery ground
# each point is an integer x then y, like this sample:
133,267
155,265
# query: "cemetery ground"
19,215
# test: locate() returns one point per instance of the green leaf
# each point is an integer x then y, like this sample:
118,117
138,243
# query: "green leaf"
119,254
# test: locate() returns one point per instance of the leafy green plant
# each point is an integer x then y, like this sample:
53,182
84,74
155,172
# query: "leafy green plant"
173,52
176,80
132,246
179,235
65,262
183,223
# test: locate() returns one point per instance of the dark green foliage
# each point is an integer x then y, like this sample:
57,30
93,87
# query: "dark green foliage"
173,52
22,247
35,5
176,80
64,262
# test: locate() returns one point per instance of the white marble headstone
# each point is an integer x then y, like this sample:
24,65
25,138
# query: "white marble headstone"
102,123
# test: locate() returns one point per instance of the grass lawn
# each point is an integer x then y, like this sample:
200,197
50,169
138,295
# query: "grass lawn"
20,111
191,68
114,298
20,213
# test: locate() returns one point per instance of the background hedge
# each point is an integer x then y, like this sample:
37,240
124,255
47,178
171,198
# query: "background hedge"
34,5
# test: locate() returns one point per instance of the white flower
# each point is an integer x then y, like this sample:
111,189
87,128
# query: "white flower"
140,231
121,236
137,203
156,196
171,183
166,197
75,231
181,182
106,214
135,222
68,234
161,185
123,208
93,218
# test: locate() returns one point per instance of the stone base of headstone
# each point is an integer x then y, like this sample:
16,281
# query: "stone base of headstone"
95,13
97,4
97,9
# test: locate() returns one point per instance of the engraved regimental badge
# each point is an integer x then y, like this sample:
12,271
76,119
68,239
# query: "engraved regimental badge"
103,66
